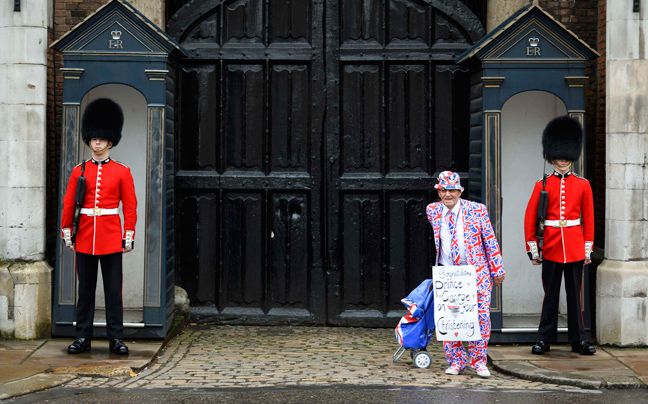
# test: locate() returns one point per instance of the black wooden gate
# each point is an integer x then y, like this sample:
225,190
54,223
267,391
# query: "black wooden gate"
309,136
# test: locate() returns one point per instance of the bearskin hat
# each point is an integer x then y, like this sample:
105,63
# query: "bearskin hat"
102,119
562,139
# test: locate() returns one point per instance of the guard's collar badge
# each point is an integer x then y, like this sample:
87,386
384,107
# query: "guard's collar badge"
100,162
559,175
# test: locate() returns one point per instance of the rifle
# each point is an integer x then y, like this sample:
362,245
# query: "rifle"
78,202
542,214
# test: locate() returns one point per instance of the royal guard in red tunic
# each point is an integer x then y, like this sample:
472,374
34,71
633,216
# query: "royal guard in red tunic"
566,234
99,236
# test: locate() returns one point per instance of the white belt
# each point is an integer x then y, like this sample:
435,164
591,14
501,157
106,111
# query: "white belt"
99,212
562,223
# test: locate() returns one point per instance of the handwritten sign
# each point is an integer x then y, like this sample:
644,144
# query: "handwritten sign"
455,303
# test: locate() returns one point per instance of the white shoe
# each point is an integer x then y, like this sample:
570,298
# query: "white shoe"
482,371
453,371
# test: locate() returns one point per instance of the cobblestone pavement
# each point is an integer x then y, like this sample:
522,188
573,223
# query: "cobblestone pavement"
250,356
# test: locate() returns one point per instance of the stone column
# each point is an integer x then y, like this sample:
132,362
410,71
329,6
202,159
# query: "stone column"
23,98
500,10
152,9
622,280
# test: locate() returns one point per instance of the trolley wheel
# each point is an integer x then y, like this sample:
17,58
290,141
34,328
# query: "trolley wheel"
422,360
414,351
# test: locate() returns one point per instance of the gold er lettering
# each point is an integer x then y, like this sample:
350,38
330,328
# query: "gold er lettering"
533,51
115,44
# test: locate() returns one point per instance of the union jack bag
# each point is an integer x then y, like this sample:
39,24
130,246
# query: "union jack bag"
412,329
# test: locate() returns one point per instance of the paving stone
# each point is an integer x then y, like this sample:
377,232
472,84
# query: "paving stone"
290,356
9,373
31,384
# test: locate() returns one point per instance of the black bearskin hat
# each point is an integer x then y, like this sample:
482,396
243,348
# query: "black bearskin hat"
562,139
102,119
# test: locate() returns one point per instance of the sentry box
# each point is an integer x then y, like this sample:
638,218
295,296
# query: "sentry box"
118,53
527,71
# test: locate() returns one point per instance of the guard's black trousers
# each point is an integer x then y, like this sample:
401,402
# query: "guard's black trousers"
552,273
111,272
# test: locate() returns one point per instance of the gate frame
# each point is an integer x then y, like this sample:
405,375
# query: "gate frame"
328,266
505,66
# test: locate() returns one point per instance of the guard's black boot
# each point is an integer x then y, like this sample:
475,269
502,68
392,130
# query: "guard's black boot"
80,345
540,347
118,347
583,348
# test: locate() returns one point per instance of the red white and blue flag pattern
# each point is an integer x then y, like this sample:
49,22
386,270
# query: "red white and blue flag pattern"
412,329
483,252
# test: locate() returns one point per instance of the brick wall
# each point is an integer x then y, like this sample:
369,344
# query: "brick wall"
67,14
584,18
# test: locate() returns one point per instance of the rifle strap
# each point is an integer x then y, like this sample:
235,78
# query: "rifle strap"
544,181
82,167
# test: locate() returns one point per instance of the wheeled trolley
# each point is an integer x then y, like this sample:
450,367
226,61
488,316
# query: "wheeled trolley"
414,330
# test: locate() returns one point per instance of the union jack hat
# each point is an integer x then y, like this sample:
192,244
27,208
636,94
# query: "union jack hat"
449,180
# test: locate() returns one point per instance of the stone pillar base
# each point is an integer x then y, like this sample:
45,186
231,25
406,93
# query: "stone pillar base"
25,300
181,302
622,307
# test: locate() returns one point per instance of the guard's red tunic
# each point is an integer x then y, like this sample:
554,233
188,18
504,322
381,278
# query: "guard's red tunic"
570,198
107,183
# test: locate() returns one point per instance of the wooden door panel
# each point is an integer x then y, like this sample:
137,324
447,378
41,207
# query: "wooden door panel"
409,23
243,22
198,146
290,118
361,22
290,21
361,118
409,133
204,32
288,253
248,172
243,251
362,252
198,245
244,117
411,246
403,117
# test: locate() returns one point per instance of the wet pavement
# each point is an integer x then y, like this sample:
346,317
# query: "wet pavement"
609,368
336,394
253,357
28,366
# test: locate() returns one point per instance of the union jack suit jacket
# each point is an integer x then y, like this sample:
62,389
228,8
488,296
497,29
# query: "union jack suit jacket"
107,183
482,249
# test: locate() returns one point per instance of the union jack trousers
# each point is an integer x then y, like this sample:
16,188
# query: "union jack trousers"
483,252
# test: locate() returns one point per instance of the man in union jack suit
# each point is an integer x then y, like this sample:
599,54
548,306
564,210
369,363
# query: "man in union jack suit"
568,234
463,235
99,237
